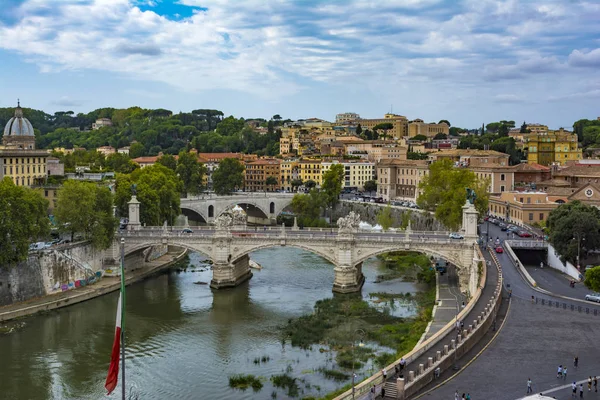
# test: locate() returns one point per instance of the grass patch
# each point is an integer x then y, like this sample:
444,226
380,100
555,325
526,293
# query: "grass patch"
334,374
243,382
284,381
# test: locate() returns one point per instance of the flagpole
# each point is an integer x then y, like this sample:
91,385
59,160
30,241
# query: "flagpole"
123,317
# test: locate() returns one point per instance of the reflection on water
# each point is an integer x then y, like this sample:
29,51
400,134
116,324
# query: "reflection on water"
183,339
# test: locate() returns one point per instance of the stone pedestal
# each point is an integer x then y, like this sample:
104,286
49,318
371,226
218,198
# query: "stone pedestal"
400,388
134,214
469,223
348,279
228,275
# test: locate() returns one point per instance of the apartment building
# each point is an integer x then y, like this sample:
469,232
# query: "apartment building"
356,173
346,117
310,170
522,208
376,150
400,179
258,172
552,147
289,171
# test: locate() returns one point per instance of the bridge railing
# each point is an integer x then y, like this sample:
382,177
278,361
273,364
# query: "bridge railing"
213,196
527,244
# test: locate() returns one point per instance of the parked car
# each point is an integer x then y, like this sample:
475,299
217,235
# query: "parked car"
512,228
499,249
502,225
524,234
187,230
486,218
593,297
455,235
504,228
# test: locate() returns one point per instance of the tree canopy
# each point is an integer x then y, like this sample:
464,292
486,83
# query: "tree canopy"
419,137
443,191
370,186
229,176
191,172
23,219
385,218
574,225
333,179
592,279
158,191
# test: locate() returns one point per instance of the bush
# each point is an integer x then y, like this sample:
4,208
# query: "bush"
243,382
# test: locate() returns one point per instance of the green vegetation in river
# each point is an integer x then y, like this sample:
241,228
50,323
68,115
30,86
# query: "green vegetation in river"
335,320
244,382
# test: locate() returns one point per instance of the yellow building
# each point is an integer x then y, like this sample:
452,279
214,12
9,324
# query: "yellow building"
19,160
399,122
522,208
289,171
310,170
553,147
418,127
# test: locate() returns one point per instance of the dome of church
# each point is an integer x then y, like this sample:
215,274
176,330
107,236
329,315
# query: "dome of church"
18,125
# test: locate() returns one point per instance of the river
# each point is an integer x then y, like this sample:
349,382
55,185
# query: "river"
183,340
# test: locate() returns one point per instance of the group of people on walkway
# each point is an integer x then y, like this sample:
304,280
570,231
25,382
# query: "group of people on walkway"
463,397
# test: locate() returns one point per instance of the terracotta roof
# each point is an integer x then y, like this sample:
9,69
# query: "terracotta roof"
580,170
469,152
560,191
145,160
219,156
523,167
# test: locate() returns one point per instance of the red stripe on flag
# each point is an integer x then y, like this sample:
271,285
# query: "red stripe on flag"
113,370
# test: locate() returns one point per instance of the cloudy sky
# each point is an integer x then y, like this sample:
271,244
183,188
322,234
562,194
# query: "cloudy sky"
468,61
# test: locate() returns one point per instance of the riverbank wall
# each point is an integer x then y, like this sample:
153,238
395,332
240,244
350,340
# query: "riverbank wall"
105,286
419,220
48,271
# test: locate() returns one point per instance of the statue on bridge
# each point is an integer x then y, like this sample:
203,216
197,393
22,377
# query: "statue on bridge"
223,221
231,218
134,189
471,196
349,223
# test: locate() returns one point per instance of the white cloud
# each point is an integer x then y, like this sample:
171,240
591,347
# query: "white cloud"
582,59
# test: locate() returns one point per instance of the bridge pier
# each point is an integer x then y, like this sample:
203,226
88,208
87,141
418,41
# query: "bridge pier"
348,279
228,275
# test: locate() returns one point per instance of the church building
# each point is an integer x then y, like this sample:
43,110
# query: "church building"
19,160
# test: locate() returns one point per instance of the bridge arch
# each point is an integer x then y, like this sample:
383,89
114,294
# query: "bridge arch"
240,254
241,203
435,251
194,211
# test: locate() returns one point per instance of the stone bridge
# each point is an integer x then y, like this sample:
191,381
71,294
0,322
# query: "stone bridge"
260,205
229,243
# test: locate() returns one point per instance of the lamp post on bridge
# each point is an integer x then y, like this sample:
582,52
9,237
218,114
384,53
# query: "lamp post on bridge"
362,334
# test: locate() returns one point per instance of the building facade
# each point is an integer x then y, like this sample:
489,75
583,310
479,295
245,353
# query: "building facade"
522,208
400,179
346,117
257,174
356,173
553,147
399,125
310,170
101,123
419,127
19,160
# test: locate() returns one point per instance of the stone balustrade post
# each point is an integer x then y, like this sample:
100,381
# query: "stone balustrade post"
453,343
429,362
411,376
400,388
421,369
445,349
438,356
465,333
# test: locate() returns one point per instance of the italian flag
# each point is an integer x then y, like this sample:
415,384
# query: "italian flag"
113,370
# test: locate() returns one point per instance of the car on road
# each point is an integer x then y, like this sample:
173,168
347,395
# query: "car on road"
455,235
593,297
524,234
486,218
187,230
512,228
499,249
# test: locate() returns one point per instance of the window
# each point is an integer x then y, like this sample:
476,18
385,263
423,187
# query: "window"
541,216
529,200
502,188
501,177
531,216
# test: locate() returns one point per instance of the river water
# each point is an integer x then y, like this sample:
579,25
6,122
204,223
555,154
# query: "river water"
183,340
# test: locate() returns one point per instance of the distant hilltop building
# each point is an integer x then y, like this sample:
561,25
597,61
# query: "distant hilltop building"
346,117
101,123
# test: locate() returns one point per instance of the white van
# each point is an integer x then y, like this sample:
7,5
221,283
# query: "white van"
37,246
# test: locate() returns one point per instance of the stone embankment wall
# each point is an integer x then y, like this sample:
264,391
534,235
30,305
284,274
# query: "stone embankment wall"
45,271
420,220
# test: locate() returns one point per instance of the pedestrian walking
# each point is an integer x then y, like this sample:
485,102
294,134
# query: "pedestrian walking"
402,364
468,396
456,395
590,384
581,390
559,372
595,383
574,387
529,390
565,372
382,392
372,395
575,361
464,397
396,369
532,299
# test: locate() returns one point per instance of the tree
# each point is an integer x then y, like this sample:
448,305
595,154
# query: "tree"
592,279
296,183
443,190
573,227
158,191
23,219
385,218
524,128
136,150
440,136
271,181
411,155
359,130
384,126
370,186
333,180
228,176
86,208
446,122
168,161
309,206
419,138
191,172
121,163
310,184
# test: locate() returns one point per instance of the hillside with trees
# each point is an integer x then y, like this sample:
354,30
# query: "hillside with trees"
149,132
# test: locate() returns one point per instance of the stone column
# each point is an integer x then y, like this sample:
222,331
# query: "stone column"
400,388
348,277
134,214
227,272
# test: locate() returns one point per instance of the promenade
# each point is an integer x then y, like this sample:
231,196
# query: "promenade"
74,296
